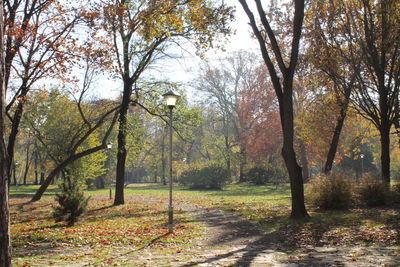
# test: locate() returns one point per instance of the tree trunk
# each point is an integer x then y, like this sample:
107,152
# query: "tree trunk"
100,184
5,240
385,153
15,174
397,118
5,243
338,129
335,141
36,166
46,182
228,155
304,161
289,155
242,163
14,130
121,153
27,164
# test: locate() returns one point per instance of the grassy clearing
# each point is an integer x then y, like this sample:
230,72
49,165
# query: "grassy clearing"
103,235
270,207
107,232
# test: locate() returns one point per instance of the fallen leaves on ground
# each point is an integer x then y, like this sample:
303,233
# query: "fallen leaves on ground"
136,224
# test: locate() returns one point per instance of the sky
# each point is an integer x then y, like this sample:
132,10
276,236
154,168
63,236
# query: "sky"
181,70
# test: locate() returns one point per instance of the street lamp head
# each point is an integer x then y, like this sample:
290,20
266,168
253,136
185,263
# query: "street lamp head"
170,98
109,145
362,156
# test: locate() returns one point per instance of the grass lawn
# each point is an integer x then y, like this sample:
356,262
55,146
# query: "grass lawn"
270,207
107,232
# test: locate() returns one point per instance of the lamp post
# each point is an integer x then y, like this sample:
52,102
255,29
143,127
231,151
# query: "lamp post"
109,146
362,164
170,99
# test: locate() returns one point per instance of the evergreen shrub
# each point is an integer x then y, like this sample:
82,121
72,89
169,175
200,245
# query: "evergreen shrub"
72,203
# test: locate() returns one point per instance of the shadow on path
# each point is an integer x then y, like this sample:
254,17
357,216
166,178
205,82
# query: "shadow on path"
233,241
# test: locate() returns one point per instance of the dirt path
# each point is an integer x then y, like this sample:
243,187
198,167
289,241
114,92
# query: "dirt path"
232,241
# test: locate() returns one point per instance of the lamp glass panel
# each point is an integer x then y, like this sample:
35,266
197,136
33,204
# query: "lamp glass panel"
170,100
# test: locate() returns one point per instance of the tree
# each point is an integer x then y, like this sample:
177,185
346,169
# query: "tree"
315,123
259,116
372,38
38,44
153,122
73,142
328,53
283,86
5,244
141,31
223,84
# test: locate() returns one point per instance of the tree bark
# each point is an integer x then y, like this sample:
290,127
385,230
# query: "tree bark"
289,155
36,169
335,141
42,175
338,128
242,163
385,153
14,132
121,154
5,239
27,163
46,182
304,161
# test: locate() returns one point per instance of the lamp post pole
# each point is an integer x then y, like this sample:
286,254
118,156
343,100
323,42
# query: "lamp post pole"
170,99
170,207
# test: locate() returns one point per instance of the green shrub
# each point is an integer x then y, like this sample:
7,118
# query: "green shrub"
72,203
267,174
396,188
395,193
213,176
330,192
259,175
372,191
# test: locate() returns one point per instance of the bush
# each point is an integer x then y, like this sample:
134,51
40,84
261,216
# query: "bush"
330,192
209,177
72,203
395,193
267,174
259,175
396,188
372,191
